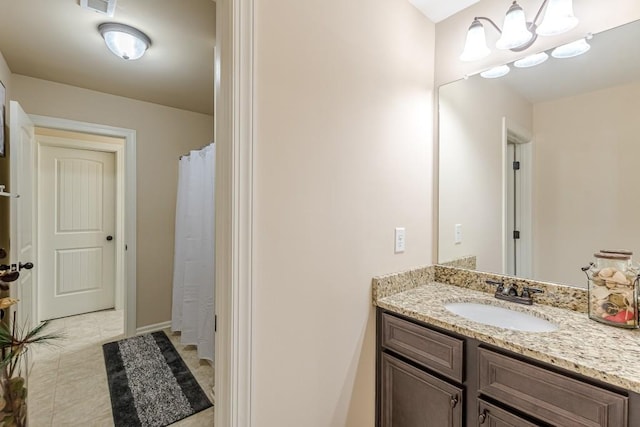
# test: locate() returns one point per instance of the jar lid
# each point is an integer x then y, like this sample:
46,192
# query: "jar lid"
616,256
616,251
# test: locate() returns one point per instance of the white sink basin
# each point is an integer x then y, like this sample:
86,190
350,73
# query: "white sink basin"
500,317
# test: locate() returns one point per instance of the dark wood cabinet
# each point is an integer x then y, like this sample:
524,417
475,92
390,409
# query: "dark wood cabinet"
492,416
434,350
430,377
551,397
420,374
413,398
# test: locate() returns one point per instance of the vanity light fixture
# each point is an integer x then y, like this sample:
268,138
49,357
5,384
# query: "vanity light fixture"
517,33
124,41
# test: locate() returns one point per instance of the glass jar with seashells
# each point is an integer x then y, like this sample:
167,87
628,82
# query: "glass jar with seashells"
613,288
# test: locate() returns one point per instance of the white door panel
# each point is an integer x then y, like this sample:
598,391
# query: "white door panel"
77,214
22,213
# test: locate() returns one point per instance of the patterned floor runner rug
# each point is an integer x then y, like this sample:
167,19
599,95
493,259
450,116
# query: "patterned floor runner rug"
149,383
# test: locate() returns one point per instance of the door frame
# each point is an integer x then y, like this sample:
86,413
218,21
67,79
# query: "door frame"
236,141
520,135
126,214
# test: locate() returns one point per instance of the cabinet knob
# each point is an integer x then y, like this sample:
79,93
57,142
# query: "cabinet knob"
483,417
454,400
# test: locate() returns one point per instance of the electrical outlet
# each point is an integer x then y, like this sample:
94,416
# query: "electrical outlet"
457,234
400,240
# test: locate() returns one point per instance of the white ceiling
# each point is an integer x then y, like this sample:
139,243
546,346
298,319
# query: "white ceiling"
57,40
438,10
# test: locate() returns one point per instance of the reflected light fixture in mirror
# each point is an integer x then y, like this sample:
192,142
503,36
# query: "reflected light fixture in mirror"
531,60
572,49
518,34
124,41
495,72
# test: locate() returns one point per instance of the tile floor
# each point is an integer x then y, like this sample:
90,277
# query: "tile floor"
68,382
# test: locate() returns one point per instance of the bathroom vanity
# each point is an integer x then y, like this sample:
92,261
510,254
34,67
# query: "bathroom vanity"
435,368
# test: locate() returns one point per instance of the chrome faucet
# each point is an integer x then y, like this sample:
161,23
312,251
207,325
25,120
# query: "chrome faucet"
510,292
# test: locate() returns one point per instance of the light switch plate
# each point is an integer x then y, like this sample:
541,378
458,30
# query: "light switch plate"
400,240
457,238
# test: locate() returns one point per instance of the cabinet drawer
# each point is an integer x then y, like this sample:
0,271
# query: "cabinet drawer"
548,396
492,416
434,350
413,398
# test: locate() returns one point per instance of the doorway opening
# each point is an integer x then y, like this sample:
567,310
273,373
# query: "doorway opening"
116,145
79,197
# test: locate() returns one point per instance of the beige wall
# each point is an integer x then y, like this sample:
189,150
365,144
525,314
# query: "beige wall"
344,140
595,16
163,134
471,184
586,180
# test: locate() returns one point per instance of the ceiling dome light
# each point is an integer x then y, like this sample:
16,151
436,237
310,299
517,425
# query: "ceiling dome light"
124,41
572,49
476,45
531,60
514,29
558,18
495,72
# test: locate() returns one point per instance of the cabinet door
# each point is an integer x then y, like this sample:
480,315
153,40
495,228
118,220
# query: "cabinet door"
492,416
412,398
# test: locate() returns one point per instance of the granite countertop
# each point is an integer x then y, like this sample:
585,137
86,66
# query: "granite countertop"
580,345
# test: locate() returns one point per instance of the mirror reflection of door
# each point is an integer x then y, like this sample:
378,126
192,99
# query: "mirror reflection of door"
518,232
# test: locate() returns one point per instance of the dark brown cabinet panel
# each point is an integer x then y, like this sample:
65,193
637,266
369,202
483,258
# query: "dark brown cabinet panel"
412,398
550,397
432,349
492,416
428,378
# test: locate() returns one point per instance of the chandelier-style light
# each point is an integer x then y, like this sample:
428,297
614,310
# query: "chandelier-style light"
517,33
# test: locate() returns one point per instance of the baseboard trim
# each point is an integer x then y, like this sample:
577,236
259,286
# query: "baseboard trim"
153,328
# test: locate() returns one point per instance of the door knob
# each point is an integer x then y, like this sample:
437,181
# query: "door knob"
109,238
28,266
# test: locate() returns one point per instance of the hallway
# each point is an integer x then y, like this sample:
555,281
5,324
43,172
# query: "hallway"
68,381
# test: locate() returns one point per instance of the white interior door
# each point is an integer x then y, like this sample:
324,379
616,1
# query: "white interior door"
22,217
76,223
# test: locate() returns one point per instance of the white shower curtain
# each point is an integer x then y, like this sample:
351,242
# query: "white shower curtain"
193,268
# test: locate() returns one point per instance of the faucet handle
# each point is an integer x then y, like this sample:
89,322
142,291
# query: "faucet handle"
526,292
498,284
